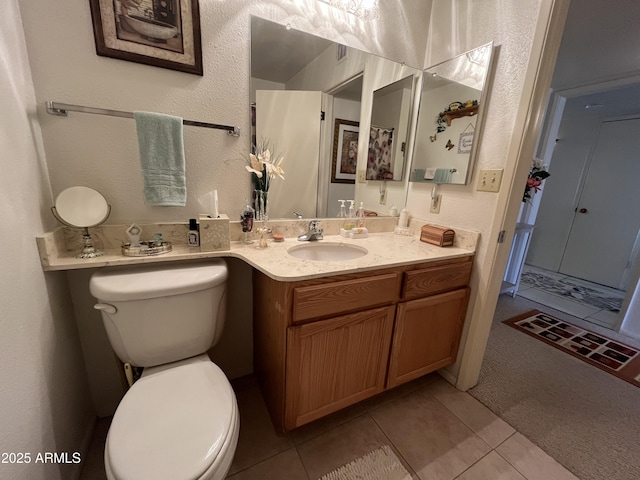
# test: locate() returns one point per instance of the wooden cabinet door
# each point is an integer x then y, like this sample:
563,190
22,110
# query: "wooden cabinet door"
427,335
334,363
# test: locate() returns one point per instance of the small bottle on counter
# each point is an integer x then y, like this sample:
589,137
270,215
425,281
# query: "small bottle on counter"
193,237
403,221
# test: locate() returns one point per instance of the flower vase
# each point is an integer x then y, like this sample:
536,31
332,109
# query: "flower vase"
262,215
260,198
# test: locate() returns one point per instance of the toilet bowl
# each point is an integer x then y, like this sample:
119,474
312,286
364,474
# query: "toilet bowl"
180,419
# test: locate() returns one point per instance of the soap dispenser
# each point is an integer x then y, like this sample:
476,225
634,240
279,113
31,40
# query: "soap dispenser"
342,212
360,222
360,231
352,214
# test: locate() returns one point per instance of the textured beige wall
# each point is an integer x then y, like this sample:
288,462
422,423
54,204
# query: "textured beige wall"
44,399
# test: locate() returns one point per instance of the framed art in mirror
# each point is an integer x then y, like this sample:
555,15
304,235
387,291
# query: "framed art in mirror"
162,33
345,151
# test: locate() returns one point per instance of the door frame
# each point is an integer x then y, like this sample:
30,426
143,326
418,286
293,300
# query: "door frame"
526,131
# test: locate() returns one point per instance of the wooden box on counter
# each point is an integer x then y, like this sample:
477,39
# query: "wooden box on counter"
437,235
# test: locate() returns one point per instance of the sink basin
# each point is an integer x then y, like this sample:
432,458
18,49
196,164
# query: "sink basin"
326,251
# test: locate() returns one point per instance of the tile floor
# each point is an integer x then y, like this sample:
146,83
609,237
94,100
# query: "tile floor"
572,306
438,432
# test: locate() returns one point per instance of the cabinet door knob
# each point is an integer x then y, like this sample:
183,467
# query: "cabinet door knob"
583,210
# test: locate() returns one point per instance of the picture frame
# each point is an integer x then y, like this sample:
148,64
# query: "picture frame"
161,33
345,151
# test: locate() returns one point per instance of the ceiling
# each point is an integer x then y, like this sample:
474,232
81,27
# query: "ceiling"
272,44
601,42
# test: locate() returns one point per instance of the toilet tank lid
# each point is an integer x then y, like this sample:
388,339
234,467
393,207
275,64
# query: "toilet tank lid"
156,281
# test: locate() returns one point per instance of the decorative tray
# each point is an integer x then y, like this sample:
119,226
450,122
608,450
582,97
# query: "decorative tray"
146,249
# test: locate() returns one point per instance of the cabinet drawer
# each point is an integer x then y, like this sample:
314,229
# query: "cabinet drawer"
429,281
344,296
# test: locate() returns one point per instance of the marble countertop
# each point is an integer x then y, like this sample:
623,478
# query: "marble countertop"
384,250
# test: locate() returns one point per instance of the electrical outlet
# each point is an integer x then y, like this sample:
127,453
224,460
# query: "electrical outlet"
383,198
362,176
489,180
435,204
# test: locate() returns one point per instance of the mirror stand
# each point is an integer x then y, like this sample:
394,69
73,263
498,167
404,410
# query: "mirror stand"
82,207
88,249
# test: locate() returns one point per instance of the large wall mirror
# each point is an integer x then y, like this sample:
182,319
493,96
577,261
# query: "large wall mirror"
450,118
309,96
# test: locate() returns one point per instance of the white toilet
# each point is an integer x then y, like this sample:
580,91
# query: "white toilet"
180,419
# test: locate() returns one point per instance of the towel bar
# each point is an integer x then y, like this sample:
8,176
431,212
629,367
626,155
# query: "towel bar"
61,109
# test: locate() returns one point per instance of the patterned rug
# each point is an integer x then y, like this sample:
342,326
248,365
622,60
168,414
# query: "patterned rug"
380,464
566,287
611,356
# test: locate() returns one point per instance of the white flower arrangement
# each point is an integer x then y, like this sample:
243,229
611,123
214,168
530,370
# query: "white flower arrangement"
264,166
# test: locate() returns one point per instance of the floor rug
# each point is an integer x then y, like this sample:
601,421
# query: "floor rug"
380,464
566,287
611,356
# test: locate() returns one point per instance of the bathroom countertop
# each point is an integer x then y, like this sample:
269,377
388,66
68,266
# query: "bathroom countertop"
384,250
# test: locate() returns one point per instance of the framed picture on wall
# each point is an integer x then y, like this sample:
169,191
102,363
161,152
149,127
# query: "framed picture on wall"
162,33
345,151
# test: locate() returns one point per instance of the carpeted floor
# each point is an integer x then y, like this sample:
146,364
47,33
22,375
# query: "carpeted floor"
583,417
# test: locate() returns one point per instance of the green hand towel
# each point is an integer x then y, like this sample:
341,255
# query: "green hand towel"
161,158
443,175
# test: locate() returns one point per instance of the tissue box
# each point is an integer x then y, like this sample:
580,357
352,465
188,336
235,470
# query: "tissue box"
214,233
437,235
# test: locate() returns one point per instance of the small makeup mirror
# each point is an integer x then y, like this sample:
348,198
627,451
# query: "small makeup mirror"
82,207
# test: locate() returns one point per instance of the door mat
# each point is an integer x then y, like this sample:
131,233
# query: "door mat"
570,289
380,464
609,355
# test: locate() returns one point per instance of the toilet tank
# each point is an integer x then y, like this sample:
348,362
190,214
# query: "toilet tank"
163,313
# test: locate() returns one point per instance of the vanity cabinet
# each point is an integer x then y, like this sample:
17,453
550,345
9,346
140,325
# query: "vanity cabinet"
323,344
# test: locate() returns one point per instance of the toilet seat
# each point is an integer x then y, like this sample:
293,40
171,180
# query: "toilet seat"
177,422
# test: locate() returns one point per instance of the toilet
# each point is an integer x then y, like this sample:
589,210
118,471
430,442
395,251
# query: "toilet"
179,420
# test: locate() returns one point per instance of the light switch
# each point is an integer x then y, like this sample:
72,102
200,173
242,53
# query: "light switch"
362,176
489,180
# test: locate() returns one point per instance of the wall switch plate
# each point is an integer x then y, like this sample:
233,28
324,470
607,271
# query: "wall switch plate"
362,176
489,180
383,198
435,204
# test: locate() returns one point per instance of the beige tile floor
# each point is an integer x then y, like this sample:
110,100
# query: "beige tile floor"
438,432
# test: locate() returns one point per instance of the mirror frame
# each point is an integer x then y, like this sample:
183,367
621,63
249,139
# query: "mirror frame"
417,175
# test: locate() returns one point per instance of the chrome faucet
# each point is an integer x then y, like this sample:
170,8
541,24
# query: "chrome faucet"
314,232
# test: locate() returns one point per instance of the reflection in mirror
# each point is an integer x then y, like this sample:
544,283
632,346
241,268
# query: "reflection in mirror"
82,207
390,118
450,118
295,79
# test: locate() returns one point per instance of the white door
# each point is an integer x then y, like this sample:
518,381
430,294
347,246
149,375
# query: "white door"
290,121
607,218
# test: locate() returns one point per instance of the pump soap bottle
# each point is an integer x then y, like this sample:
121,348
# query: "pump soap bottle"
349,222
360,231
